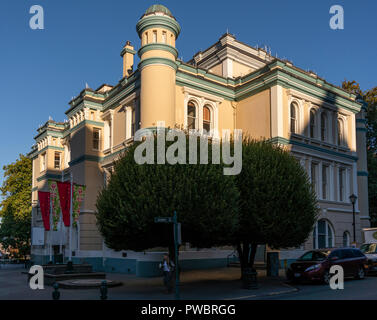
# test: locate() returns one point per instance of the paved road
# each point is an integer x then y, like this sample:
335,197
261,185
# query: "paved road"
353,290
215,284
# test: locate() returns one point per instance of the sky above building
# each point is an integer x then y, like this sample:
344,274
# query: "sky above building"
41,70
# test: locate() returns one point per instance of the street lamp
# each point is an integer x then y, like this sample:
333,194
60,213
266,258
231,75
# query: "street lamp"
353,199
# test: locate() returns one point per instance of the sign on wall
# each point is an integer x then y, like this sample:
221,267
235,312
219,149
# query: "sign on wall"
38,236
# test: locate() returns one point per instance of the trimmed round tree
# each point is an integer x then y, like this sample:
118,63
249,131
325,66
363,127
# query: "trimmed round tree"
206,202
278,206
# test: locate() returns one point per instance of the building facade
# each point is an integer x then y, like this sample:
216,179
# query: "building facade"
230,85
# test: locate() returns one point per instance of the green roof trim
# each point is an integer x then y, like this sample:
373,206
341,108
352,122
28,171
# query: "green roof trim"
158,46
149,22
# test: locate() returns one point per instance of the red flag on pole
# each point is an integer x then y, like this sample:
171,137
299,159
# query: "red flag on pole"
64,189
44,203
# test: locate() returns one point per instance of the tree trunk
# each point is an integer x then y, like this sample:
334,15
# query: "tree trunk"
243,253
254,247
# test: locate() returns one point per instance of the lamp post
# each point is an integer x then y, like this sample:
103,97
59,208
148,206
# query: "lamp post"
353,199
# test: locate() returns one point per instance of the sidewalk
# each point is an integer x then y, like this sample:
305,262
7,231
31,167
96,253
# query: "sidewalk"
214,284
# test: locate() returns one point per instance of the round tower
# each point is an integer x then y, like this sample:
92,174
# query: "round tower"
158,31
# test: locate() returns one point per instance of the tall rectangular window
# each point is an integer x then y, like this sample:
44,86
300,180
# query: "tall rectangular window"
324,182
154,34
57,160
313,174
43,162
110,134
133,123
96,138
163,36
341,184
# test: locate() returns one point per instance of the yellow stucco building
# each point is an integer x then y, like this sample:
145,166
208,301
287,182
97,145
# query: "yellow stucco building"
227,86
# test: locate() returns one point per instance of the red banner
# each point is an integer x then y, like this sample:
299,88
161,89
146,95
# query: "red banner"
44,203
64,189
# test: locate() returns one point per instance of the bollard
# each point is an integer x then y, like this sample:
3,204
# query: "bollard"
56,293
103,290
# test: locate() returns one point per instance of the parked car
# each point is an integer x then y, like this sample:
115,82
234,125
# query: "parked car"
315,265
370,251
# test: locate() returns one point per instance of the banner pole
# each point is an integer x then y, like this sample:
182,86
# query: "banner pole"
50,232
61,230
70,220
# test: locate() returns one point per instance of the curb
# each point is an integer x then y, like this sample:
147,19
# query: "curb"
275,293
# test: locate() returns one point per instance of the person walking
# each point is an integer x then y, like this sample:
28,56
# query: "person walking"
168,268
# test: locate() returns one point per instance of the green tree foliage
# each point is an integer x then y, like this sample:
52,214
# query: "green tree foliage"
205,200
278,206
370,97
15,208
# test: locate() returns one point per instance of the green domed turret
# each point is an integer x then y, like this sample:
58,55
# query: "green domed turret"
158,8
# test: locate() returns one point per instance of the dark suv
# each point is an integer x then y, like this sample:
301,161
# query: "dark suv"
315,265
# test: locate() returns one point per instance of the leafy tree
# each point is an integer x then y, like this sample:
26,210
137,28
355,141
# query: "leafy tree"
278,206
370,97
15,233
15,208
205,200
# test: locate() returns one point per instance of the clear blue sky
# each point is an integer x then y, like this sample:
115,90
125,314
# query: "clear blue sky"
40,70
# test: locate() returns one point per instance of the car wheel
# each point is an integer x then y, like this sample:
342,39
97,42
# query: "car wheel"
326,277
360,273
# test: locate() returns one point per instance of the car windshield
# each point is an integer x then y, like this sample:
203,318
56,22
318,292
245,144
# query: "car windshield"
314,256
369,248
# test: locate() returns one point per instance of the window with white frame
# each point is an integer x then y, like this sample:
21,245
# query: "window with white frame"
342,172
323,235
207,118
346,239
57,160
154,36
96,138
324,125
43,162
312,123
164,37
191,115
294,118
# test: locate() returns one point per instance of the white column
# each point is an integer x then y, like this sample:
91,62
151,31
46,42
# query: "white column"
277,111
228,68
353,133
128,122
112,130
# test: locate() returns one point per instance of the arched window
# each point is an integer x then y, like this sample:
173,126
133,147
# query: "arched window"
206,118
294,121
340,132
323,235
312,123
346,239
323,126
191,115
